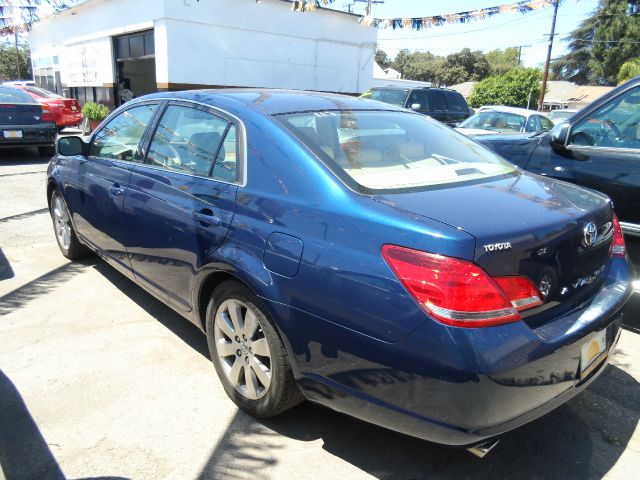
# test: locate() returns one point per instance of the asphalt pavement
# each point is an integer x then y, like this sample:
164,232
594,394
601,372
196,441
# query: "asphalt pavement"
100,380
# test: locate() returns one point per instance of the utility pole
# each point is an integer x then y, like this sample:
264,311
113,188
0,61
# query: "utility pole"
545,75
369,5
17,56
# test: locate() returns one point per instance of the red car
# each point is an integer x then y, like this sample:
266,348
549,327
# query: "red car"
66,111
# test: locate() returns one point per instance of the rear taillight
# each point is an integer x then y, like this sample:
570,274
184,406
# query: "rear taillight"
617,246
47,116
459,293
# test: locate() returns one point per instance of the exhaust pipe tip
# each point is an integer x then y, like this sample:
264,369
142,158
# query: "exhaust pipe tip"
482,449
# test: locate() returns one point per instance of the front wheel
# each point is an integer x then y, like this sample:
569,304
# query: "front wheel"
66,237
248,354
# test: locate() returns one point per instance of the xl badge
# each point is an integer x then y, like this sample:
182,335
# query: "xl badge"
497,247
590,233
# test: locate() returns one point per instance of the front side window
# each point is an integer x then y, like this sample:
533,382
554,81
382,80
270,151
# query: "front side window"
195,141
616,124
532,124
119,139
382,150
421,99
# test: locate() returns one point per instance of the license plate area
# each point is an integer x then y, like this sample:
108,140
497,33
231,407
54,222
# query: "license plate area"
593,353
12,133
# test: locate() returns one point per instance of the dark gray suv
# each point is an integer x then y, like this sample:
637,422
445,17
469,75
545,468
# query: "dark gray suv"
443,104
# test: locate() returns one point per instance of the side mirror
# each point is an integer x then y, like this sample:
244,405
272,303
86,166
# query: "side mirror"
69,146
559,135
416,107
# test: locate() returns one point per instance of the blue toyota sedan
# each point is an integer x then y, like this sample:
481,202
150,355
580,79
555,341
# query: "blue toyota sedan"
355,254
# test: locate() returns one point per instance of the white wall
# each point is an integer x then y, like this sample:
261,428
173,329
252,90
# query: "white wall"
218,42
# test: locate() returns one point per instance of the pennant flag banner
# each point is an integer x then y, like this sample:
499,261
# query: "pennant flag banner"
19,15
418,23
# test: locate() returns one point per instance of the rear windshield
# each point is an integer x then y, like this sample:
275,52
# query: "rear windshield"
502,122
383,150
13,95
391,95
42,92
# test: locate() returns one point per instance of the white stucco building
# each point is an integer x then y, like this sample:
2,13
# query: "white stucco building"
97,49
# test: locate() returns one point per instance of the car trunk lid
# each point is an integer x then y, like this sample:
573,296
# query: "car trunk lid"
557,234
20,114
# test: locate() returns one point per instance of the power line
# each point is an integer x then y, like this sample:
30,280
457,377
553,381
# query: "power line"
512,22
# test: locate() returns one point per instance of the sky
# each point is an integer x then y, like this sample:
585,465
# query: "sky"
528,30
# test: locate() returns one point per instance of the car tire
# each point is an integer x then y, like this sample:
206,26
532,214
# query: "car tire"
47,151
63,229
256,350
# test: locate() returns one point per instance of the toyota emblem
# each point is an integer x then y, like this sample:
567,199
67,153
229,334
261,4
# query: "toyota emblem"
590,233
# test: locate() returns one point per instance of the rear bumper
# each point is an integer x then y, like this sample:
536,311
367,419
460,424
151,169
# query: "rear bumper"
32,136
451,385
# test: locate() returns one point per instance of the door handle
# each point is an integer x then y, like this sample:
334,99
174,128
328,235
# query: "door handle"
207,218
116,190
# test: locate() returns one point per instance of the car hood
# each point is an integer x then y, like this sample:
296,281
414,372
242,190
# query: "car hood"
517,148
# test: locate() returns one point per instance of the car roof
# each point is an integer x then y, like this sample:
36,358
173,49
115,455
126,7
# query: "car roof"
407,88
276,101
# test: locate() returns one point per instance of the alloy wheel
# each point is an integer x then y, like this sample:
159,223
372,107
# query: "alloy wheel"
242,349
62,222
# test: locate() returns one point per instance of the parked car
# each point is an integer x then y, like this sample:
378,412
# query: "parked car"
348,252
14,83
25,123
443,104
66,111
560,115
505,120
598,147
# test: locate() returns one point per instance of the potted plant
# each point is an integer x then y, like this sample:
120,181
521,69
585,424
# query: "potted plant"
95,113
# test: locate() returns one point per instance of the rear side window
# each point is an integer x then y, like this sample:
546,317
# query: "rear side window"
436,100
194,141
456,102
381,150
387,95
13,95
119,139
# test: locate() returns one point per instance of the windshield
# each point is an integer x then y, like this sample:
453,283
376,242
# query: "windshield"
502,122
13,95
392,96
382,150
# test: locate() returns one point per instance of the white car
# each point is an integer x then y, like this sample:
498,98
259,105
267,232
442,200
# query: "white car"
560,115
496,119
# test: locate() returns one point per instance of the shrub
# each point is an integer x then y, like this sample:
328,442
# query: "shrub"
95,111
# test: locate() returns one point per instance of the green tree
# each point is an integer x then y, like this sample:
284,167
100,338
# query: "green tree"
383,59
628,70
474,63
600,45
8,67
513,88
501,61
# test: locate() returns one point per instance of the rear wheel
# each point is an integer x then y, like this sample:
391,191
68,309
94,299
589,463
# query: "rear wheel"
66,237
248,354
47,151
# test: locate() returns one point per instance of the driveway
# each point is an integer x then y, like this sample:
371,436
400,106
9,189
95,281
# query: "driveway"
100,380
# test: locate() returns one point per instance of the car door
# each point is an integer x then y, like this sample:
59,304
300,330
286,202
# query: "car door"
97,184
604,153
182,198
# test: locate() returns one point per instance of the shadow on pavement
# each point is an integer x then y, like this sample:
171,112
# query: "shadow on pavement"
6,271
24,453
22,156
185,330
41,285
